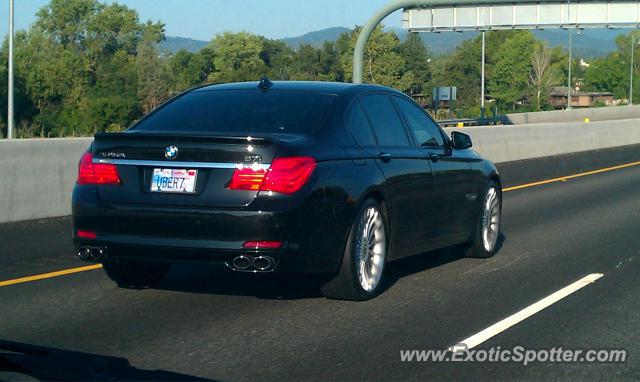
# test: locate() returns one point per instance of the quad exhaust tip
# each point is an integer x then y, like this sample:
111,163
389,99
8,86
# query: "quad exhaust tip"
263,263
84,253
253,264
242,263
89,253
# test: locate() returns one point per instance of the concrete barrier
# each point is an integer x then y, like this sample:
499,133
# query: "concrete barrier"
512,143
576,115
38,174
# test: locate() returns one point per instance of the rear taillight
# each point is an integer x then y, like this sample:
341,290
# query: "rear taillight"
247,178
262,245
87,234
96,173
286,176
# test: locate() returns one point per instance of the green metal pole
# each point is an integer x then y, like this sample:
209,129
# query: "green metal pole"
376,19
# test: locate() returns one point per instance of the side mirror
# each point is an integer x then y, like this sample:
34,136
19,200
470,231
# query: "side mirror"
461,141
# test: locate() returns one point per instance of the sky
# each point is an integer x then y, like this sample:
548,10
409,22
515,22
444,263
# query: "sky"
203,19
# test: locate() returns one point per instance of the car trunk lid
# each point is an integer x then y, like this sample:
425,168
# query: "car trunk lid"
211,160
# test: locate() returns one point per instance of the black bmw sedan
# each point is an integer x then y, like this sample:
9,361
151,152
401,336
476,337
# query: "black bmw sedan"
291,177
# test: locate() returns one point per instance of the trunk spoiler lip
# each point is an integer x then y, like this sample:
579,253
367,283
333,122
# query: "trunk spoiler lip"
181,137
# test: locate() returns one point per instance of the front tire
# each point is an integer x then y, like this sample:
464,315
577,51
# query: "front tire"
135,274
487,233
363,264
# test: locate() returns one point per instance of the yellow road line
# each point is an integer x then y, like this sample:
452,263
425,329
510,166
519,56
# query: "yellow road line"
50,275
565,178
98,266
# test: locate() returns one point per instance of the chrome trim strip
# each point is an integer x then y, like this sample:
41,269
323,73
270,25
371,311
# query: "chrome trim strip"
187,165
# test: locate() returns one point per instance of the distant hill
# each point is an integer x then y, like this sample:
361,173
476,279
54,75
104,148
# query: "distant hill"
175,44
316,38
587,44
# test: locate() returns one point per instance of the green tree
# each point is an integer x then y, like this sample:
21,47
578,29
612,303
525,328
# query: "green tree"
76,64
608,74
509,82
611,73
189,69
237,57
307,63
279,58
317,64
463,70
417,61
330,63
93,30
153,76
112,103
545,72
23,105
383,64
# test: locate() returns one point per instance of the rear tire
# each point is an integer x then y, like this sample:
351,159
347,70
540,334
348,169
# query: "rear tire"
361,273
487,232
135,274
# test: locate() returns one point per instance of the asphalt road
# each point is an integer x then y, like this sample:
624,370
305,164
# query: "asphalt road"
199,325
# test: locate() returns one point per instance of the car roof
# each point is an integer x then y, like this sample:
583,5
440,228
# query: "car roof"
310,86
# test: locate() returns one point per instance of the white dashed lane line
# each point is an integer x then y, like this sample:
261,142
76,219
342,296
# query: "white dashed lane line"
501,326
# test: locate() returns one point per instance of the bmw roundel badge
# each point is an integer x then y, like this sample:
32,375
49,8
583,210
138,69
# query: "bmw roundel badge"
171,152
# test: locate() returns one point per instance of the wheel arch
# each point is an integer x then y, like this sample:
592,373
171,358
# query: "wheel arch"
377,194
495,177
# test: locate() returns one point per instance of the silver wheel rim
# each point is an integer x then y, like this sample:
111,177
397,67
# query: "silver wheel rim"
491,220
370,249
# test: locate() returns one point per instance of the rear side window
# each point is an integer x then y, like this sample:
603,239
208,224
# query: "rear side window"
424,129
385,120
247,111
360,126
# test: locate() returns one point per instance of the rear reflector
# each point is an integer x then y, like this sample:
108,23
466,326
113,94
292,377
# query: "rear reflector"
87,235
96,173
286,176
262,244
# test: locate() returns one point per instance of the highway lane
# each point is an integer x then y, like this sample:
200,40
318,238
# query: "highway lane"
199,324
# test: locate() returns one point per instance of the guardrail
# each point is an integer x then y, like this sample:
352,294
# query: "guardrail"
464,122
38,174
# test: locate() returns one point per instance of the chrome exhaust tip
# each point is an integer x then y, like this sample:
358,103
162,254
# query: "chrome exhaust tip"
242,263
264,263
84,253
93,254
97,254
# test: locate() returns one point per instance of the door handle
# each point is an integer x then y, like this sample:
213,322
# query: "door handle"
385,157
433,157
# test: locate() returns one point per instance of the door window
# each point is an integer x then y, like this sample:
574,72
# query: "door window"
386,122
360,126
424,129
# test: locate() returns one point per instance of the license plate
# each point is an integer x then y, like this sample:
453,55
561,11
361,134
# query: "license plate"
176,181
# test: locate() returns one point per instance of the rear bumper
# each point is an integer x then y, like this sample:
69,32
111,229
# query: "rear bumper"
284,261
313,241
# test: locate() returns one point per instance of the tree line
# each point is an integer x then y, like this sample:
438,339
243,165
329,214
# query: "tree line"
86,66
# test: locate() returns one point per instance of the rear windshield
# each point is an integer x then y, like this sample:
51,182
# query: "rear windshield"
241,111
